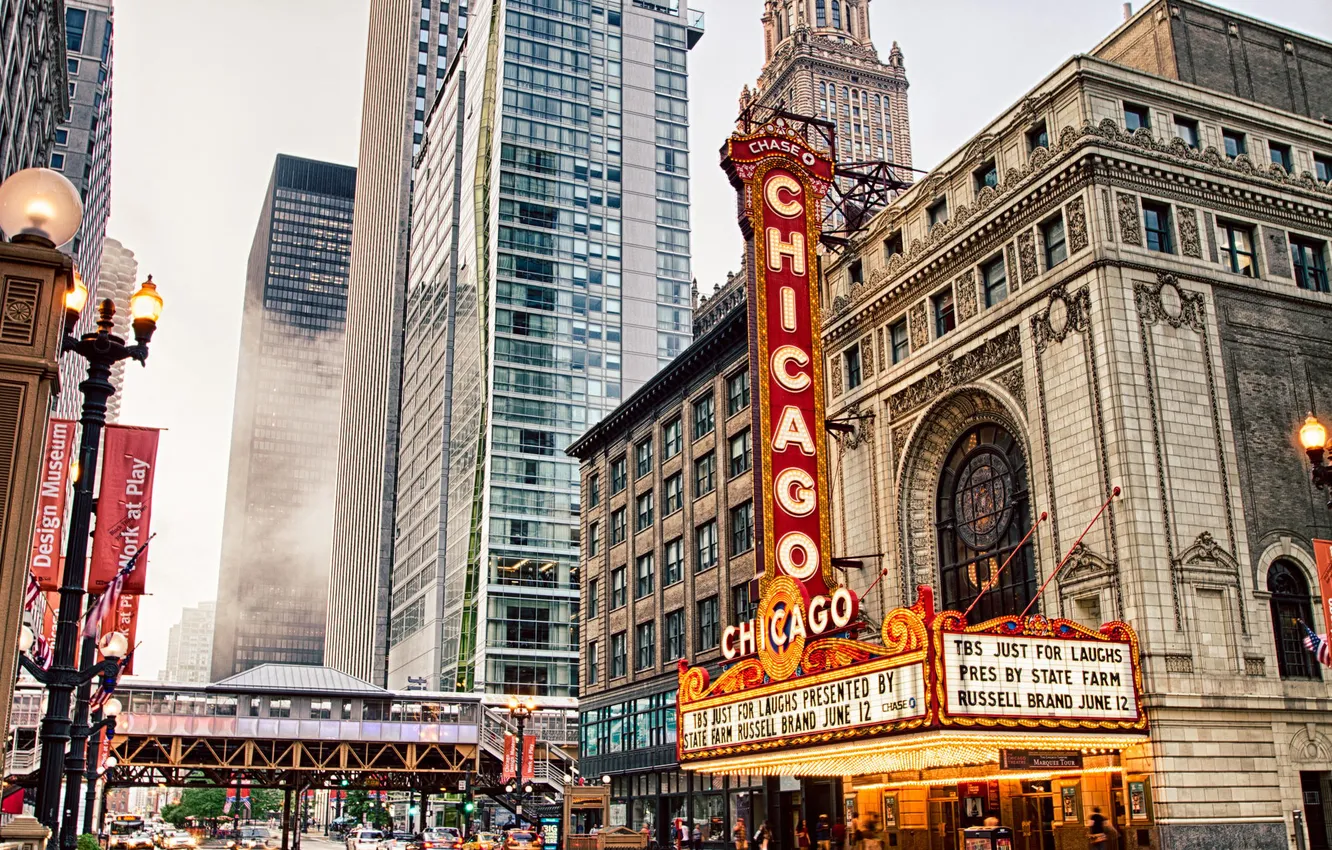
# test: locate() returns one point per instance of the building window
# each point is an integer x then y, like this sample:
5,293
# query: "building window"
1156,221
856,273
851,360
1187,129
1310,258
619,588
705,415
321,709
618,474
593,598
674,489
1237,248
1282,156
592,663
1038,137
994,278
1291,605
820,13
1322,167
645,576
937,213
705,474
741,453
62,137
645,645
675,626
901,342
737,392
75,21
983,516
618,526
944,317
644,521
593,538
742,528
1235,142
1136,116
643,457
58,161
1055,241
986,175
892,246
709,624
674,562
279,707
672,439
742,604
705,546
619,659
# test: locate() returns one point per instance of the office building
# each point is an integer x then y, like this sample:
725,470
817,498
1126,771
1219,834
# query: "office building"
118,280
35,98
1138,301
668,561
190,645
567,127
820,61
82,153
273,582
408,50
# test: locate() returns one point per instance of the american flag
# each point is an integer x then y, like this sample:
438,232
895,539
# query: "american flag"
106,603
42,651
31,593
1318,645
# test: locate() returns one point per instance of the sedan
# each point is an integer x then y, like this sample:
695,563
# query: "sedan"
402,841
179,841
365,839
521,839
441,838
484,841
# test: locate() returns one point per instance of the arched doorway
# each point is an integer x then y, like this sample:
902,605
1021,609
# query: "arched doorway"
983,513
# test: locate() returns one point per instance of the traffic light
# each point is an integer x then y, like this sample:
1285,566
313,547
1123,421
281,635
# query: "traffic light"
344,783
469,805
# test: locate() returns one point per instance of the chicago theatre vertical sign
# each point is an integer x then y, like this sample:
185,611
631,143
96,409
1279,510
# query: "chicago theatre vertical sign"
782,182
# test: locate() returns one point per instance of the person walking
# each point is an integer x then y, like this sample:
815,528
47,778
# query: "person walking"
696,838
802,836
762,836
739,835
823,833
838,835
1100,832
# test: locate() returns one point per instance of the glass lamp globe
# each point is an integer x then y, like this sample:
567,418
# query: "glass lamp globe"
26,638
112,708
115,645
76,297
40,205
1312,434
110,762
146,304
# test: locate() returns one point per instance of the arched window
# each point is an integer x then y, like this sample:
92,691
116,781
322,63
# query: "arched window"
837,14
820,13
1291,605
983,514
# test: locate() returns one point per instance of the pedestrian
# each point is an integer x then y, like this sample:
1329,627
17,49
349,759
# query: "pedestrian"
853,834
1099,829
839,835
802,836
762,836
696,838
739,835
870,837
678,837
823,833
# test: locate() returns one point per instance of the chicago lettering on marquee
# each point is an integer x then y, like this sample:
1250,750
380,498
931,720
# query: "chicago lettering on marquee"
782,183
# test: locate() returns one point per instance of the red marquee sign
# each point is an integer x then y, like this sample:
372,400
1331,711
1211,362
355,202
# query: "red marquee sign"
782,182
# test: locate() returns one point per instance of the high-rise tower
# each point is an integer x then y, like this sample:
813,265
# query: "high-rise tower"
549,279
273,582
407,53
117,280
819,60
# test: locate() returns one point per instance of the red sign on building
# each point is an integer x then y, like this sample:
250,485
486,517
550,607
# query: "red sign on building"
1323,558
782,182
52,491
124,506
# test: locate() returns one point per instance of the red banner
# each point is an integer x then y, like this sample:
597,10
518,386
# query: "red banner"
510,768
124,505
782,182
529,757
124,618
1323,558
52,491
49,617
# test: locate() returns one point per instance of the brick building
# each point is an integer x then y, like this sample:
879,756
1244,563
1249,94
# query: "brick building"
1120,282
667,562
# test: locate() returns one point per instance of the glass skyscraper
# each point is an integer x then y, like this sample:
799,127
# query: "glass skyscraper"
549,277
273,582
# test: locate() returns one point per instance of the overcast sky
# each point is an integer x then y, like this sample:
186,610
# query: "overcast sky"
207,92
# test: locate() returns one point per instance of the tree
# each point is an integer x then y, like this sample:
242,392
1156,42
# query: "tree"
200,803
364,808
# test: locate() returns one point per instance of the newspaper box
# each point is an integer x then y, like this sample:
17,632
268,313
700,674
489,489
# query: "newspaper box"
987,838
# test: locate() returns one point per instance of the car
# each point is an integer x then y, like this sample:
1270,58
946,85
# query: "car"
252,838
484,841
365,839
179,841
401,841
521,839
441,838
138,841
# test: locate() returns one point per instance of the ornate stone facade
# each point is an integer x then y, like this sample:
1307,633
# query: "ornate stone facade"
1162,374
35,99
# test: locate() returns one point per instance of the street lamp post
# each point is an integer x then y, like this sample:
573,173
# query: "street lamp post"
106,720
1313,436
520,710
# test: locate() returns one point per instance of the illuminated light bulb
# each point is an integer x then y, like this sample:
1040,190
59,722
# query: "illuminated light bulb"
40,205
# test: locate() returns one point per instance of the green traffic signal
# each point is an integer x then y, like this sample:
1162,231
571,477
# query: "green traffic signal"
469,807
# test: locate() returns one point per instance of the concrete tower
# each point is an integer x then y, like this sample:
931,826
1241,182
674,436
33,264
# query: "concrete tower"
118,280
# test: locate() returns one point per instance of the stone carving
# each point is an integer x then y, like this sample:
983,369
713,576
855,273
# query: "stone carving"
1064,313
1255,667
1077,225
1190,245
17,317
1130,230
1013,381
1084,564
1010,260
1165,301
965,288
993,353
861,433
1179,664
1026,243
1278,253
1209,229
835,375
918,326
867,355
